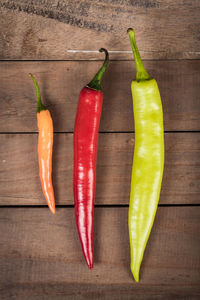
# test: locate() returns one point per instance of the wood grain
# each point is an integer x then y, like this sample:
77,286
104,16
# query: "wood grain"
40,256
20,185
36,29
61,82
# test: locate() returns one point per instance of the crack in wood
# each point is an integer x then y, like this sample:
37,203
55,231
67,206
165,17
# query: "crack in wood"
59,15
133,3
68,12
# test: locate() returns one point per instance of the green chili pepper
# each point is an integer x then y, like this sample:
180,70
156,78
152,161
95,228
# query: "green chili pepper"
148,161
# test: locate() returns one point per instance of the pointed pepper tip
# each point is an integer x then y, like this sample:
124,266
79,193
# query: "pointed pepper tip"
89,259
90,263
135,274
136,278
53,210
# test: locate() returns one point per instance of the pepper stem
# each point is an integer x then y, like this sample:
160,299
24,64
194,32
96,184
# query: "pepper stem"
141,74
96,81
40,106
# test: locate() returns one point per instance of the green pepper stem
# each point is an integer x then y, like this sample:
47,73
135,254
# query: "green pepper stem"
40,106
141,74
96,81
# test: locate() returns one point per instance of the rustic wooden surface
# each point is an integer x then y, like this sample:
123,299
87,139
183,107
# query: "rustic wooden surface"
44,250
47,29
58,41
181,182
60,82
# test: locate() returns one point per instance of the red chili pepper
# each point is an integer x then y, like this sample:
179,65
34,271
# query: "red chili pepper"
85,154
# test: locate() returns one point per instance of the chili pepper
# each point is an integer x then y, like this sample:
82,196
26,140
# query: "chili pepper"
85,153
45,148
148,161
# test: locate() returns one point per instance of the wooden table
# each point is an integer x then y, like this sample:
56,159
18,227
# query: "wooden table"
40,254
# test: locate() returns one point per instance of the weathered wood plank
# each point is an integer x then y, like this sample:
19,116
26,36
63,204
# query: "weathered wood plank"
41,258
46,29
62,291
60,84
19,179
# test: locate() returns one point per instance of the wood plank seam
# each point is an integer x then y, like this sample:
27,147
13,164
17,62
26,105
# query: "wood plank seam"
114,162
60,93
38,27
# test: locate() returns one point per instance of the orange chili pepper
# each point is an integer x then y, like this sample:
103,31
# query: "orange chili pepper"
45,148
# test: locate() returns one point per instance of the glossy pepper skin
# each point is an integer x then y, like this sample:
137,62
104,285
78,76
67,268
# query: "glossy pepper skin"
45,148
85,154
148,161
